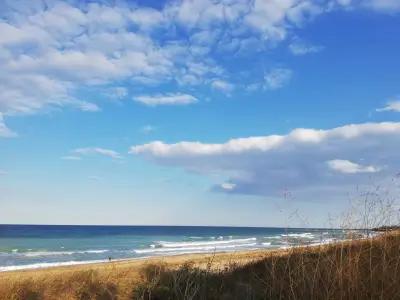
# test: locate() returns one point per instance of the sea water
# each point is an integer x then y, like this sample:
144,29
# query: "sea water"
38,246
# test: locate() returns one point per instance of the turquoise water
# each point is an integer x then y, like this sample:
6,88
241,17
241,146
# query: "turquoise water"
36,246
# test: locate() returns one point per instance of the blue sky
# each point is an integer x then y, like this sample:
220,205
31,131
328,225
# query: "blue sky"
255,113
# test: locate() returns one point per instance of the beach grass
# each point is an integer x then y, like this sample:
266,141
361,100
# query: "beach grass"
356,269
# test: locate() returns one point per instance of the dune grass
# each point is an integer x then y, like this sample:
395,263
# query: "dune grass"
363,269
359,269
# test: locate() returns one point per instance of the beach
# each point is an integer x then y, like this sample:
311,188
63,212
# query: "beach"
126,273
308,272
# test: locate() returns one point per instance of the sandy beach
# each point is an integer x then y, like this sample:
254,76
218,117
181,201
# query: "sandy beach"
125,273
134,265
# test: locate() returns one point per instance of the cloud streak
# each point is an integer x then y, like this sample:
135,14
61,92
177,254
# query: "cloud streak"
348,167
166,99
95,150
391,106
299,48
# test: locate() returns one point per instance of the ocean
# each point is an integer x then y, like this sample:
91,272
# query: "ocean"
38,246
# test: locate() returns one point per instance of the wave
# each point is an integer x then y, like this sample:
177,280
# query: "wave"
47,265
58,253
194,249
306,235
163,244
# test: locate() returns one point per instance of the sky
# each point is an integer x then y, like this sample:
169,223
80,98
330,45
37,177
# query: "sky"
196,112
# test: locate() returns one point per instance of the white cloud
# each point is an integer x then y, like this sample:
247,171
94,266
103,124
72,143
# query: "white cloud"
273,18
147,18
381,6
277,78
388,6
300,161
222,85
391,106
348,167
301,48
48,53
227,186
96,150
166,99
87,106
87,45
4,130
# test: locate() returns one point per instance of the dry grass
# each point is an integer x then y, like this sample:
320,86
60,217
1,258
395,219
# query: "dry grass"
77,282
361,269
102,282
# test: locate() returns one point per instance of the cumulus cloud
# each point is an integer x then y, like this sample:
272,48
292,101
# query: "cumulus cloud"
166,99
48,53
277,78
303,161
96,150
391,106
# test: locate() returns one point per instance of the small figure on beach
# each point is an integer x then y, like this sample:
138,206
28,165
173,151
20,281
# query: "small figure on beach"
109,258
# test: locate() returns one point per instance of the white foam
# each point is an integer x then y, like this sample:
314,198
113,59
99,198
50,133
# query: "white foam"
56,253
194,249
47,265
205,243
46,253
306,235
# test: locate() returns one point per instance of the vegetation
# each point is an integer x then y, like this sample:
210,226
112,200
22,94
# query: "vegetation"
359,269
363,269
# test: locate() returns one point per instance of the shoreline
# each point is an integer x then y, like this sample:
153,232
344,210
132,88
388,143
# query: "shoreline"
45,265
179,259
176,258
105,261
